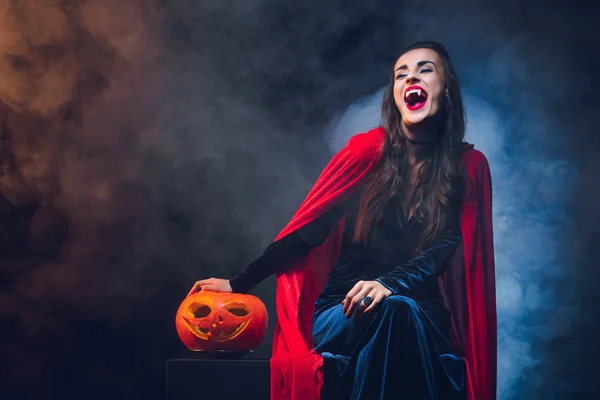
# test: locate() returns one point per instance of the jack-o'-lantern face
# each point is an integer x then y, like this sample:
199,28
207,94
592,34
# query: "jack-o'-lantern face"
221,321
220,325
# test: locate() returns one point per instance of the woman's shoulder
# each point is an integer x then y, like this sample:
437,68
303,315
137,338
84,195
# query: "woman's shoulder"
472,158
366,146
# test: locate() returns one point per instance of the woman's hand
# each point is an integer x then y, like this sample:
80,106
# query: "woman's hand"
362,289
214,284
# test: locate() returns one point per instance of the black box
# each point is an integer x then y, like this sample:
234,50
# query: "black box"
223,379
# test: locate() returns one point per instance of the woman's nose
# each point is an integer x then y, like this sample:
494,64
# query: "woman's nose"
411,79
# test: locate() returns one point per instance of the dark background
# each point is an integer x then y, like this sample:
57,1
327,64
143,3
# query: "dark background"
147,144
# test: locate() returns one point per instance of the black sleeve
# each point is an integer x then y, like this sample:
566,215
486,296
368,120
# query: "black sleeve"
281,253
430,262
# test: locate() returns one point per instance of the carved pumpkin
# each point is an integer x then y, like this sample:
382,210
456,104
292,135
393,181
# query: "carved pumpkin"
210,320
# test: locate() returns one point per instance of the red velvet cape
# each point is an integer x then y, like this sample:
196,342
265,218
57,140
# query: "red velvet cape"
468,286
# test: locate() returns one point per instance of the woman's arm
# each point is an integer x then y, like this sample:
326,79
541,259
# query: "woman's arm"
430,262
281,253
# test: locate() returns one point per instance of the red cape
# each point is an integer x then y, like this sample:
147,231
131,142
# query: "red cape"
468,286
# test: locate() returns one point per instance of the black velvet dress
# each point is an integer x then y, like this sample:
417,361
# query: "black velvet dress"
401,349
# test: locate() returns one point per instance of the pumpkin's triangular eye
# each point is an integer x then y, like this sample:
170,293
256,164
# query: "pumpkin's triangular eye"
237,309
199,310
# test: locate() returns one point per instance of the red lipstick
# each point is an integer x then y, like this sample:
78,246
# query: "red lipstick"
415,97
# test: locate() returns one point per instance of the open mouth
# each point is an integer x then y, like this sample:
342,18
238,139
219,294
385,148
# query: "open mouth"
216,334
415,97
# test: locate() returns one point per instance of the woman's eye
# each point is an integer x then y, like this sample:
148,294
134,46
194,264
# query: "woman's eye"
426,70
400,76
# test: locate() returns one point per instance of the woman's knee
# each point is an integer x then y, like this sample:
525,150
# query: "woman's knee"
400,304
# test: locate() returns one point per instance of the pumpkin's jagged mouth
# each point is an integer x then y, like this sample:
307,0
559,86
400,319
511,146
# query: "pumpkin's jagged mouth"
221,336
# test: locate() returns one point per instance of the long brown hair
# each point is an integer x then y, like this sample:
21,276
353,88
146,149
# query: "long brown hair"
439,187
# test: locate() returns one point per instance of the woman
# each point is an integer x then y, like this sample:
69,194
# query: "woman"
386,217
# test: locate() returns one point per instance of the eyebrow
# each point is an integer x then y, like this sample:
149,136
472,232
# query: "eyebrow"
419,64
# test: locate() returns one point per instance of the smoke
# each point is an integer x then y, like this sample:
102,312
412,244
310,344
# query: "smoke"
81,86
148,144
140,152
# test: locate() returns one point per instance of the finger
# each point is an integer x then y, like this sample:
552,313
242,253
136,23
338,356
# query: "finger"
353,292
203,282
377,298
199,284
194,289
363,305
356,300
210,287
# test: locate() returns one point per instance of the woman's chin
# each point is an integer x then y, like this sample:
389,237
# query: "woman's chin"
416,117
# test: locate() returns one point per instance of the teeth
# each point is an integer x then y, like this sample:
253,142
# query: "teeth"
409,92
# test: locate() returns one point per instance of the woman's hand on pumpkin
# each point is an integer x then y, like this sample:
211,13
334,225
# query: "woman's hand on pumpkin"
214,284
357,294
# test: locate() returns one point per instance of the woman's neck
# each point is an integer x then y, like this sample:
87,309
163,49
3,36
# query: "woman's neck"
420,143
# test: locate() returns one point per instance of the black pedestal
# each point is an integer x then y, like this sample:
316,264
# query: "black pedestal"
223,379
